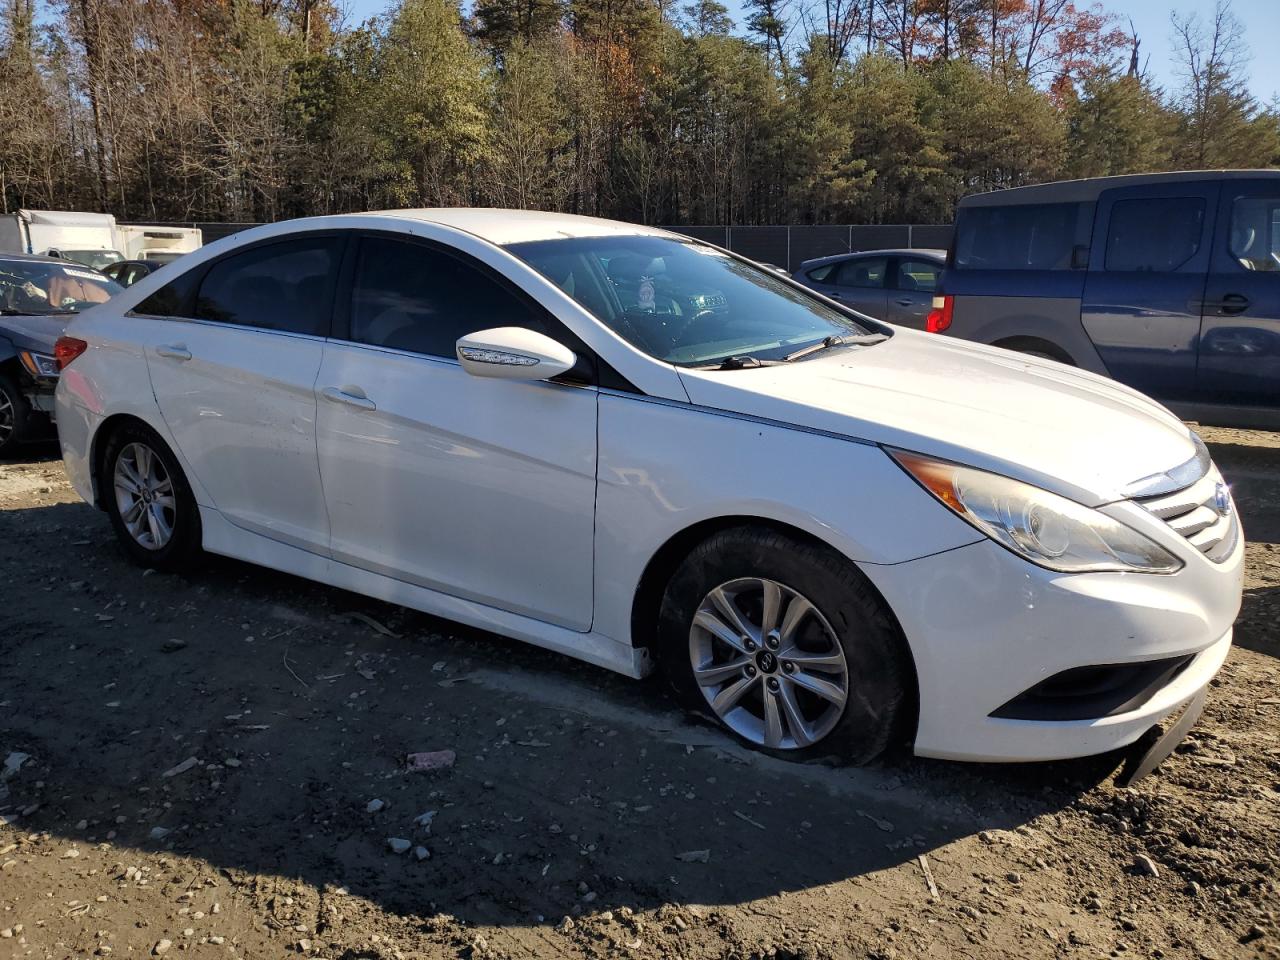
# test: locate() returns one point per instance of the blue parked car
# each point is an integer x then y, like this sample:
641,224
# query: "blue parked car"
38,295
1169,283
895,286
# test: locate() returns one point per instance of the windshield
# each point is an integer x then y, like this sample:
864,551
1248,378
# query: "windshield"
684,302
36,287
92,258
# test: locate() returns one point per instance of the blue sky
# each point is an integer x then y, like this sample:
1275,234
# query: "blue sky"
1260,19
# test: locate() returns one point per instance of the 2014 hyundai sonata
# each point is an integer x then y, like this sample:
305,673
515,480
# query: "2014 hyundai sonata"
638,449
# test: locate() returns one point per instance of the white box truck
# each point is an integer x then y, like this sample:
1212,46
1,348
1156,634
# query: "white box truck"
86,238
165,244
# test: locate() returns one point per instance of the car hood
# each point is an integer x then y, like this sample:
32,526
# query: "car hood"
1062,429
36,333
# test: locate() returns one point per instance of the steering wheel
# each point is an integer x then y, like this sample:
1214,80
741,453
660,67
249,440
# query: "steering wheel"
677,338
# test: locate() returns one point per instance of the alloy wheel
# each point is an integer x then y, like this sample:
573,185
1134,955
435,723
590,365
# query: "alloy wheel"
144,496
7,417
768,663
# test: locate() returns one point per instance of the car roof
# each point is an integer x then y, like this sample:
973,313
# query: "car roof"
39,258
1085,191
927,253
502,227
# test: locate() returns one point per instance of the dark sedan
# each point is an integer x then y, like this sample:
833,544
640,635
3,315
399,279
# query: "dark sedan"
128,272
37,297
895,286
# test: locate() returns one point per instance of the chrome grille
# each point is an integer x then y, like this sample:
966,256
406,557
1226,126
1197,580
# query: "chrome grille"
1193,512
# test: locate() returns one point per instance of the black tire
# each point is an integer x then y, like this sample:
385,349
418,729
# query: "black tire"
1035,347
15,416
880,677
182,548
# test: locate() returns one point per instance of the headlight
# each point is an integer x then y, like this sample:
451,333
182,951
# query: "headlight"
1049,530
38,364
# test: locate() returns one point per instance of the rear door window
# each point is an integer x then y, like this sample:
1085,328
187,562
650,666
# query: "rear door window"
414,297
864,272
286,286
1022,237
921,275
1154,235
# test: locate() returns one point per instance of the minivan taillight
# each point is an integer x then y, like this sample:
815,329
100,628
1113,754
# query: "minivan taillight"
939,317
67,349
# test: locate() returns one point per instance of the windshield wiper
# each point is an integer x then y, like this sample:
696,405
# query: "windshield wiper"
827,343
738,363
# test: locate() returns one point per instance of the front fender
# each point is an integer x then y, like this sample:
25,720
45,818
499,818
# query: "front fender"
665,467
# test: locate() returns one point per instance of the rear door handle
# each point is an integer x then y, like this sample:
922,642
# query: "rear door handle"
351,396
1229,304
905,302
175,352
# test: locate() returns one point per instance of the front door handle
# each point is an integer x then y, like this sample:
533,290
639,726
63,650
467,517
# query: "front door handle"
175,352
351,396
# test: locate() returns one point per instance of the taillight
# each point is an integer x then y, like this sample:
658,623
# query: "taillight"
939,317
67,349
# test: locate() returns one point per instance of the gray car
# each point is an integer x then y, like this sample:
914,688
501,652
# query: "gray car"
37,297
895,286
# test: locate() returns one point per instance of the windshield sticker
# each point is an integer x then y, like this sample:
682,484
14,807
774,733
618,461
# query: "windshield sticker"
81,274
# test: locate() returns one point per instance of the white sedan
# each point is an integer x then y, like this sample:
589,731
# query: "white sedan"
640,450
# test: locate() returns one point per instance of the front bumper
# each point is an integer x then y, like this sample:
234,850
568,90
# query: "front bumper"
984,626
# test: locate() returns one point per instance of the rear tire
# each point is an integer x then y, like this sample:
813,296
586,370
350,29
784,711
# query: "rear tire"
1035,347
15,416
149,501
785,644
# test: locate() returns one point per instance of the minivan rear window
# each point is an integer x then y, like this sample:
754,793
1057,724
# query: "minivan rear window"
1022,237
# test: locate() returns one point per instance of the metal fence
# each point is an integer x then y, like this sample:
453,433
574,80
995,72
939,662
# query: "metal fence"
785,246
791,246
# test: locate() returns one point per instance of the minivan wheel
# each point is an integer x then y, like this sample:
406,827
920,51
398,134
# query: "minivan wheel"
785,644
149,501
14,414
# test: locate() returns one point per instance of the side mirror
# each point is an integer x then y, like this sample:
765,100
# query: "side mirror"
1079,257
513,353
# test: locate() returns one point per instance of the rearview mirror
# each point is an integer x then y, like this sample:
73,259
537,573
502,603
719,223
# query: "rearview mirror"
513,353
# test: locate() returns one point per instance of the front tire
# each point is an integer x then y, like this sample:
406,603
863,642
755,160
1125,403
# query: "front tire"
149,501
786,644
15,415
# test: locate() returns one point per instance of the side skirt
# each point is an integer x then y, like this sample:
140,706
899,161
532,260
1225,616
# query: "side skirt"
226,539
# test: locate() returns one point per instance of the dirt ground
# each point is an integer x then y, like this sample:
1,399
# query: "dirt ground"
216,764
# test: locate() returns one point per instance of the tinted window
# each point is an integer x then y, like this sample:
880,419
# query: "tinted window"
1027,237
822,273
863,272
409,296
279,286
1255,232
174,298
917,275
1155,235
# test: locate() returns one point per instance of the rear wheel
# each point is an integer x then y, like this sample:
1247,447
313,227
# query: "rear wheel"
149,501
15,413
785,644
1035,347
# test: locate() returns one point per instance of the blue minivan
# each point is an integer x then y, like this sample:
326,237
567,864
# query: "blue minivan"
1167,282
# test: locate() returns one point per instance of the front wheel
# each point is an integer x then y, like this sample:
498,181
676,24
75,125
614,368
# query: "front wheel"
785,643
149,500
15,413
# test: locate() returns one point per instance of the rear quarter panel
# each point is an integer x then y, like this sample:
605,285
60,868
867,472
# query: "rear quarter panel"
110,378
995,305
